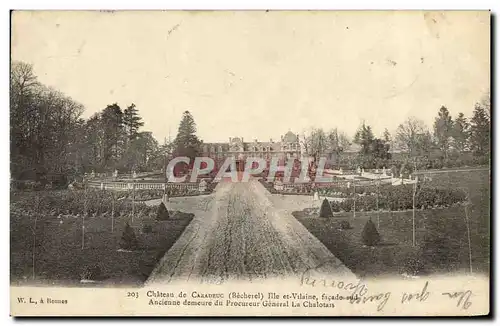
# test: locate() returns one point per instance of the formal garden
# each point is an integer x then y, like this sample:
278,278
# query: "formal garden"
447,232
89,237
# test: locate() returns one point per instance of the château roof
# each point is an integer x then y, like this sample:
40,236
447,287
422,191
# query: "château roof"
290,137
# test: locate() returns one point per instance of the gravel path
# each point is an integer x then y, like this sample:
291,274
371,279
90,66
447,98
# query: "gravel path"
240,235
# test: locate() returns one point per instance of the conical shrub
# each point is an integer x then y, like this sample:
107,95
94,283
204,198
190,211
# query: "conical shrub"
162,213
128,240
370,235
326,209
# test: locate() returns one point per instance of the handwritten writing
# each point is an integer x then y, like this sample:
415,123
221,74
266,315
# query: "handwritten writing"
462,297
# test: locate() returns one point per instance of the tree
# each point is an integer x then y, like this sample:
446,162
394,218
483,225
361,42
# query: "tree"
140,153
413,136
370,235
162,214
364,137
387,136
94,142
132,121
113,134
480,129
374,151
379,152
344,141
460,132
128,240
326,209
44,124
187,143
443,130
48,134
316,142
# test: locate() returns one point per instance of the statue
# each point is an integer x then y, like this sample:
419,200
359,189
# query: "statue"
115,174
92,174
134,175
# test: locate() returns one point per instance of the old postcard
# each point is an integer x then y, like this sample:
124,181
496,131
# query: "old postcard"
250,163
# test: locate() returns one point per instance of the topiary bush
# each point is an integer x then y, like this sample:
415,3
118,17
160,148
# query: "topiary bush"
325,210
162,213
370,235
128,240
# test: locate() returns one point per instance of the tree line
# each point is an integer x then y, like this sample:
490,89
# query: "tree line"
451,142
48,133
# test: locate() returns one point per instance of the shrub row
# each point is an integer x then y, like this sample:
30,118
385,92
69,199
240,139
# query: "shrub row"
94,202
149,194
401,198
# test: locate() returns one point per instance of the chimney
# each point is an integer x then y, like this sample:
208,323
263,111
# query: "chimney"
270,140
229,139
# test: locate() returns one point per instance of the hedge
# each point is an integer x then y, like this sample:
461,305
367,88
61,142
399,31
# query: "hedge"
401,198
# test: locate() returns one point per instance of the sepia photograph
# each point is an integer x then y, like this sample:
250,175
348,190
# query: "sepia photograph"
251,163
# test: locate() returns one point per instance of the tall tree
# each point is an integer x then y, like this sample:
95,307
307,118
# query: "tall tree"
114,134
412,135
480,129
43,122
94,142
364,137
132,121
374,151
186,142
344,141
387,136
443,130
460,132
316,142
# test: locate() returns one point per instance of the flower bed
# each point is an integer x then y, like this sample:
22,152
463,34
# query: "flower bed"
390,198
93,202
397,198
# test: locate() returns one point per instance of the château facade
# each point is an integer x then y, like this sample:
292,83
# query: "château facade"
287,147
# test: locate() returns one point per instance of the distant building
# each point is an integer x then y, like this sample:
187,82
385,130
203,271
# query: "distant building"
287,147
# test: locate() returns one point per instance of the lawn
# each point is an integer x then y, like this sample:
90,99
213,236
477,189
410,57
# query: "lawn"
60,259
450,251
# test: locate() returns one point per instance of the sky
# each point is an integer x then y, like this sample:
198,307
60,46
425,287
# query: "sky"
258,75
